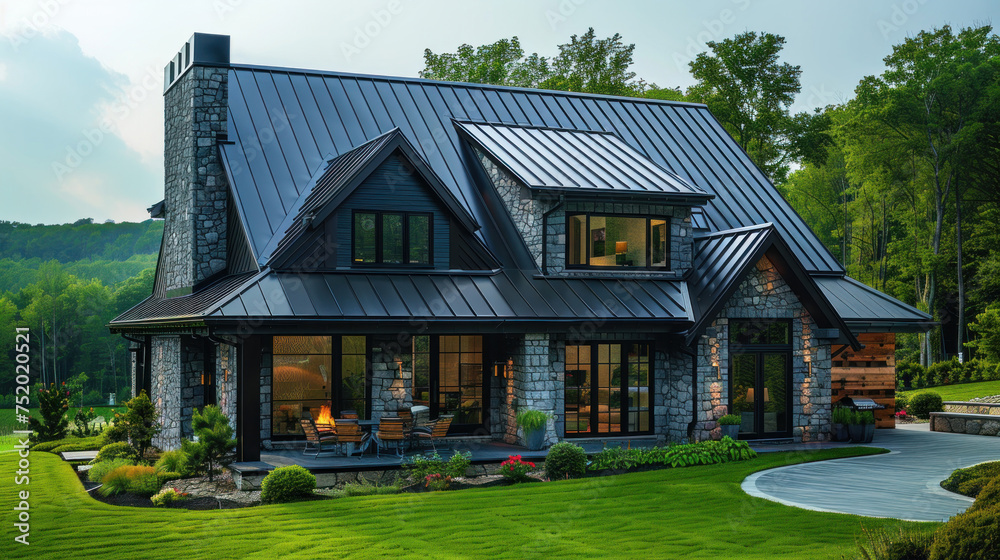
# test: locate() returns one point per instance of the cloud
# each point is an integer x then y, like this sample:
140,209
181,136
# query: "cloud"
62,156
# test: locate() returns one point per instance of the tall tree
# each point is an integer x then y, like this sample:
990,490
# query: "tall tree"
750,92
593,65
500,63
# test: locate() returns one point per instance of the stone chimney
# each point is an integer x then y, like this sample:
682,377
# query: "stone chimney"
195,99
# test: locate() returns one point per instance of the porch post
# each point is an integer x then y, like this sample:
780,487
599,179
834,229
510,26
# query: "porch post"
248,401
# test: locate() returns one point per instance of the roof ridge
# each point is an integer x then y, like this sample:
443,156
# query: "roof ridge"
733,231
383,77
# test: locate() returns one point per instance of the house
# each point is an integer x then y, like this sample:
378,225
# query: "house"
336,241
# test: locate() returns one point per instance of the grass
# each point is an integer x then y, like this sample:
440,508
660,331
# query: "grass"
697,512
961,391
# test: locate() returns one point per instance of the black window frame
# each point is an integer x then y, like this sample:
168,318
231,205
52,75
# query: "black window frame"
623,387
405,218
649,242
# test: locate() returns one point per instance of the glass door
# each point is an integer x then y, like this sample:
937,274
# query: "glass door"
607,389
760,395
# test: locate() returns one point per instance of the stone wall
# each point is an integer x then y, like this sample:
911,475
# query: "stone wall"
266,365
226,381
972,407
391,379
671,395
763,294
538,373
194,234
964,423
165,381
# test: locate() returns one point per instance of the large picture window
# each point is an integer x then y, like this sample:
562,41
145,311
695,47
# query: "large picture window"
395,238
608,389
448,378
595,240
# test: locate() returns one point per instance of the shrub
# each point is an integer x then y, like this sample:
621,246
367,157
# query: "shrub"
437,482
515,469
137,479
138,425
87,444
730,420
943,373
902,402
419,466
118,450
910,374
971,480
459,463
364,489
172,461
82,423
167,497
99,470
842,415
864,417
887,545
285,484
53,404
923,404
989,496
531,420
614,458
565,460
969,536
168,476
215,438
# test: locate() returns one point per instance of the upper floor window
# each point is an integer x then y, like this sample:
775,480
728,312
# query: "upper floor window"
595,240
392,238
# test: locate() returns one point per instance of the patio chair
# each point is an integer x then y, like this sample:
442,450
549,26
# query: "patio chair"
318,440
349,434
407,417
390,429
437,430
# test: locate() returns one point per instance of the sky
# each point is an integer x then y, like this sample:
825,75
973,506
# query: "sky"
81,107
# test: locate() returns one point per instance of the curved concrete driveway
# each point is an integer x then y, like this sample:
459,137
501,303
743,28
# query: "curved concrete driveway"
904,484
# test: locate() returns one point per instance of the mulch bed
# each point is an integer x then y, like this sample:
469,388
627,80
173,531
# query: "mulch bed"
134,500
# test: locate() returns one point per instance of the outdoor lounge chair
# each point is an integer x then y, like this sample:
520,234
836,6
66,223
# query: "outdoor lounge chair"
437,430
317,439
349,434
391,429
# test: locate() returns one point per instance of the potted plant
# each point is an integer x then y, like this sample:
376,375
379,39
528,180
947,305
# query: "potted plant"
532,422
862,426
730,425
841,419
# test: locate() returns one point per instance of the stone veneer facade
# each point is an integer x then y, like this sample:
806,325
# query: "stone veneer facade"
196,193
764,294
165,389
533,212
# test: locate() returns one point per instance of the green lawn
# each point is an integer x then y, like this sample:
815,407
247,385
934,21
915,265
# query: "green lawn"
697,512
962,391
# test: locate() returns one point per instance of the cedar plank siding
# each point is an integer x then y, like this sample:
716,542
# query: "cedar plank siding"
869,372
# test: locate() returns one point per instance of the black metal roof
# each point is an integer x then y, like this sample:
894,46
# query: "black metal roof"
865,308
288,119
577,161
192,306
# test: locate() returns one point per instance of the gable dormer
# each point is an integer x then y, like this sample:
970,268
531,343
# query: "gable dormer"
377,206
587,203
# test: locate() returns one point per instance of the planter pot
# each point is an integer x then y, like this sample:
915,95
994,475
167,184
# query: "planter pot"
841,433
535,439
731,430
869,433
857,432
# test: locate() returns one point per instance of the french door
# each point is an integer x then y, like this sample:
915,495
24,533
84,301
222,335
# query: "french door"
607,389
761,378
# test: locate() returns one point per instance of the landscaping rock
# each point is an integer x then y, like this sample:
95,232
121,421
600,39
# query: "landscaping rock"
990,428
973,427
941,424
958,425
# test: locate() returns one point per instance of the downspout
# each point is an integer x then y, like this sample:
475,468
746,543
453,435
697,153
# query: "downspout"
545,232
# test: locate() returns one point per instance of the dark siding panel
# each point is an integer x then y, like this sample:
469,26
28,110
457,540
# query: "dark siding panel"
394,187
467,253
237,247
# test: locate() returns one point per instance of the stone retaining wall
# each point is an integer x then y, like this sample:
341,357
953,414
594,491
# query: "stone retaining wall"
963,423
992,409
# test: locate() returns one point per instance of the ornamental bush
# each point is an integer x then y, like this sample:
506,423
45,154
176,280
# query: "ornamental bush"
215,441
969,536
166,497
971,480
989,496
136,479
565,460
285,484
119,450
923,404
53,403
99,470
515,469
172,461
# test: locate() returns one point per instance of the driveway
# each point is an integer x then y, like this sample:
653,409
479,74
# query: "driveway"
905,484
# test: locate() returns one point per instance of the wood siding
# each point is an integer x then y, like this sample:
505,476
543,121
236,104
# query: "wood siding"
394,186
869,372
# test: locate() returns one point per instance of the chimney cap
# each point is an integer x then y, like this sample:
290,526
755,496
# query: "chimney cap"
202,49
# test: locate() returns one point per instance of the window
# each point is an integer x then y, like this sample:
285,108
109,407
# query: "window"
608,388
617,241
448,378
395,238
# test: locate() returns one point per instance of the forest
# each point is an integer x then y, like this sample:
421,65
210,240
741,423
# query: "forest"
901,182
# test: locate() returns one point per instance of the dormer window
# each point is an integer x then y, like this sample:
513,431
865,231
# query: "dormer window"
617,241
392,238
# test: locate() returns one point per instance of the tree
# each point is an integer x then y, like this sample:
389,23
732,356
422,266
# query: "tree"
215,440
585,64
749,91
53,404
138,425
987,326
